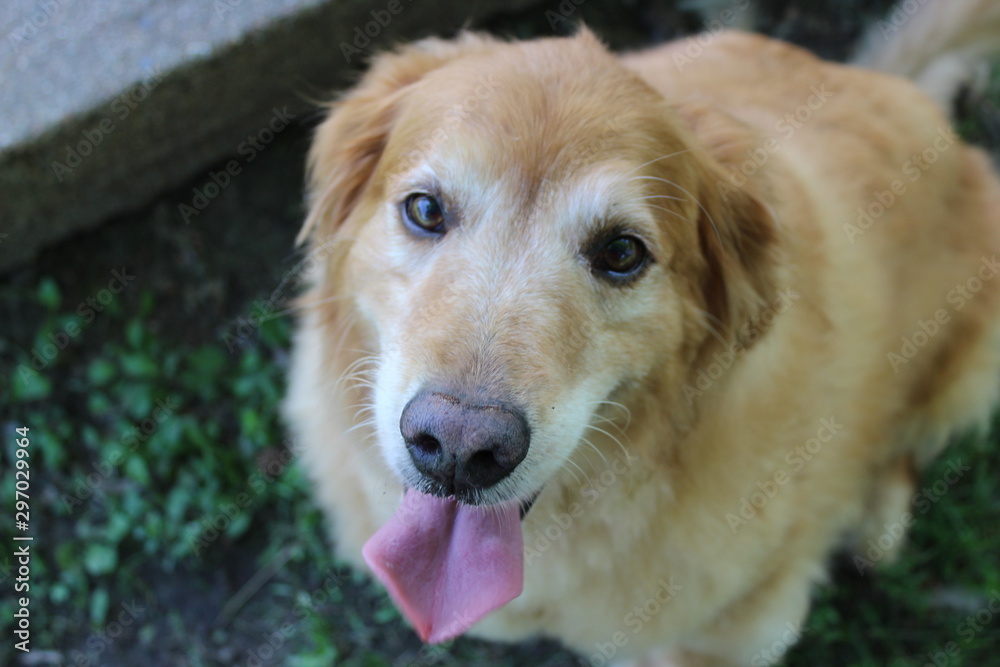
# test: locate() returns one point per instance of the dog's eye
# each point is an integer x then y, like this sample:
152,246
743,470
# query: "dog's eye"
620,258
424,212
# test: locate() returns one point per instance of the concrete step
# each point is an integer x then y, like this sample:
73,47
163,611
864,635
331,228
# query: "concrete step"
106,104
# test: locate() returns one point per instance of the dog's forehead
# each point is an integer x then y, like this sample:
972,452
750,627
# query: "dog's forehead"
542,116
529,135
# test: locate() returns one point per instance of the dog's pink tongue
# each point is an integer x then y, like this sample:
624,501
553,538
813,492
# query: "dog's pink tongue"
447,565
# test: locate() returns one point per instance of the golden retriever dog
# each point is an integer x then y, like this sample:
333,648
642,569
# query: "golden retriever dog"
619,349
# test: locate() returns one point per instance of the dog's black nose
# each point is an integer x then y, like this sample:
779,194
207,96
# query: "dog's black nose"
462,445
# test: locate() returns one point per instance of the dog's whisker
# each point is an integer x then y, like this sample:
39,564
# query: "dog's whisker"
363,408
360,379
613,438
623,408
586,478
586,457
662,157
708,324
363,424
344,330
362,361
356,374
660,197
614,420
362,384
576,478
332,382
693,198
357,371
582,472
611,422
305,303
674,213
368,421
599,452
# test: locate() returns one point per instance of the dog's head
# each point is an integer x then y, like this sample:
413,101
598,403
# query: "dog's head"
526,232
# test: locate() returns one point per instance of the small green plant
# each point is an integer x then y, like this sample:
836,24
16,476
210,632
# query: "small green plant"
150,454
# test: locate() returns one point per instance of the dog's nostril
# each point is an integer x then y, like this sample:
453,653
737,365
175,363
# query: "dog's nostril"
427,444
483,460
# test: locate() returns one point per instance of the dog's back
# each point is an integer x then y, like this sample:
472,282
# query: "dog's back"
906,218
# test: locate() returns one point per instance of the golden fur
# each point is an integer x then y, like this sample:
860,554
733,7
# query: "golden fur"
754,356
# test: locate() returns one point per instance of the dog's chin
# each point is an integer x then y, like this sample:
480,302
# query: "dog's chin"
474,497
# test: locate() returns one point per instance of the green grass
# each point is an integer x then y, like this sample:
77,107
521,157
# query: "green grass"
138,447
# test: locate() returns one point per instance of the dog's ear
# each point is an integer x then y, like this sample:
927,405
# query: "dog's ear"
738,238
738,234
349,142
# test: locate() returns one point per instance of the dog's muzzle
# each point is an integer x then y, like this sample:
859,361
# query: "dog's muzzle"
460,446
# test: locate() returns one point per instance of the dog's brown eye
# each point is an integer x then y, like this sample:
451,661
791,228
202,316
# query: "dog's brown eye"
621,257
424,212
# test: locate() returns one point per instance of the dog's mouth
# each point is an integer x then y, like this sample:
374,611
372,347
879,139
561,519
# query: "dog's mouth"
471,496
525,506
447,564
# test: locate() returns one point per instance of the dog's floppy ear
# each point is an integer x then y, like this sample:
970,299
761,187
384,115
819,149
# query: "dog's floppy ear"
738,238
737,232
348,144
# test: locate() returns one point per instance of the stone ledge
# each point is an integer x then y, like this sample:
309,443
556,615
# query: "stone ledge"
108,104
